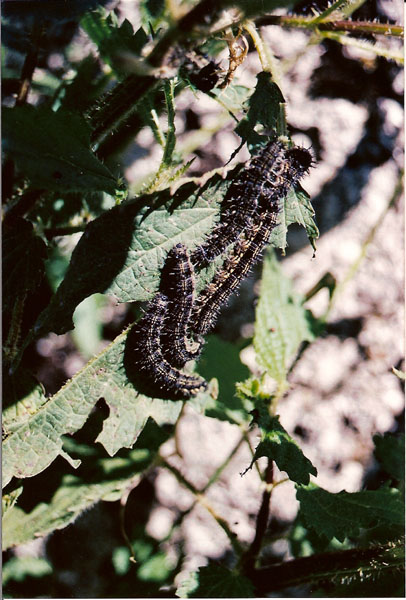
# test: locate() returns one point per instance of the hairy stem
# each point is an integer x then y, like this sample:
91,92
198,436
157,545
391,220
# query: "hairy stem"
331,567
370,27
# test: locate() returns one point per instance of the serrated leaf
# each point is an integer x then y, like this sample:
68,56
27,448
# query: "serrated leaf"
390,452
53,150
282,323
122,252
263,109
152,13
297,209
342,515
215,581
35,444
111,39
24,254
108,478
277,445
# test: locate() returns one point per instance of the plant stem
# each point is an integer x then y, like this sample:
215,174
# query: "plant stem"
330,567
368,27
346,40
250,557
268,61
29,65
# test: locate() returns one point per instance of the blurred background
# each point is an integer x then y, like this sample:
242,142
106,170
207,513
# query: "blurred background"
346,104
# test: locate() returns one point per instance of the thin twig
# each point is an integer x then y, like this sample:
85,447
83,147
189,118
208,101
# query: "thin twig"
29,65
250,557
201,499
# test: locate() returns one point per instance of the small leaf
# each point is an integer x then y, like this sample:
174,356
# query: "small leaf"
9,500
342,515
111,39
24,254
282,323
215,581
276,444
233,97
263,109
390,452
297,209
104,479
222,360
53,150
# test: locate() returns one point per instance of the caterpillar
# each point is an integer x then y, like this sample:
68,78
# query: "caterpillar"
178,283
170,333
148,354
265,179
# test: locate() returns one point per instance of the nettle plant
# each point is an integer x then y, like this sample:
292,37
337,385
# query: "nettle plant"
180,246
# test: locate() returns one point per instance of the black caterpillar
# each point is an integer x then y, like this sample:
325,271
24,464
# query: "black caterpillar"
170,333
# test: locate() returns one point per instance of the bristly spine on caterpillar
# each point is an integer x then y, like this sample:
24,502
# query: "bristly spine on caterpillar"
147,349
170,333
264,180
178,283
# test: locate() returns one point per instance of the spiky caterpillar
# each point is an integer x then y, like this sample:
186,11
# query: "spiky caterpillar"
265,179
147,350
178,283
246,252
165,333
282,168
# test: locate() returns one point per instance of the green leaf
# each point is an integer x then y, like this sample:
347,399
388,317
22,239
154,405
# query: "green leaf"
342,515
122,252
282,323
233,97
390,452
104,479
34,444
297,209
88,332
215,581
152,13
111,39
77,93
24,254
157,568
263,109
222,360
20,567
277,445
53,150
9,500
23,396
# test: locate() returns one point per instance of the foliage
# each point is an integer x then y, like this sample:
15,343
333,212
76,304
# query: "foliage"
63,176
